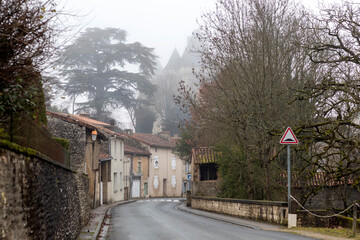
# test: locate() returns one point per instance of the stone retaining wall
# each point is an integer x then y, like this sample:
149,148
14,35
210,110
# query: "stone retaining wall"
268,211
40,199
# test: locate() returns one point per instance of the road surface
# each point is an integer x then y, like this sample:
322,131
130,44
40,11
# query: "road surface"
158,219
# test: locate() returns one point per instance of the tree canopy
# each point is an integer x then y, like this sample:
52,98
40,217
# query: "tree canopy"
27,31
267,65
96,65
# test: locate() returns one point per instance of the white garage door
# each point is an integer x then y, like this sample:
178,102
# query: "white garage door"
135,190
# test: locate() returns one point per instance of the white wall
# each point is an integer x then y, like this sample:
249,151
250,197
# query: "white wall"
116,185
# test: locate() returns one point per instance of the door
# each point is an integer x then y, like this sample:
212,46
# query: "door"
145,189
164,188
135,189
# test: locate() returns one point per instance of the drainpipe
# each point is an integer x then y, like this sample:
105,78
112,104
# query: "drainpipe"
131,175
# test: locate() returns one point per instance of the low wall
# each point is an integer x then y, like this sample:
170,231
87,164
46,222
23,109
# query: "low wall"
40,199
275,212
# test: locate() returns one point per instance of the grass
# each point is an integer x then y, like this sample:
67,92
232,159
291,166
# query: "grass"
335,232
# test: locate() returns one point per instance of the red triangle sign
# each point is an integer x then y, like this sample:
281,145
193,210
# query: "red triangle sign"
289,137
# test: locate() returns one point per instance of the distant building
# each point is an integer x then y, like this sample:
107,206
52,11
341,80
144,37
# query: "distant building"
167,173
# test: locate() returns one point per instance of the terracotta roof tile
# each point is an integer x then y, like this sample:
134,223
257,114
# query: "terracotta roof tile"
317,179
90,120
84,121
104,156
205,155
154,140
135,150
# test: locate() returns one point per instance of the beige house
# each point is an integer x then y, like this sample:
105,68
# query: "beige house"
137,172
167,173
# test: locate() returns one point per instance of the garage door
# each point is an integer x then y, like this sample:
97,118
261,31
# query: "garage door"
135,190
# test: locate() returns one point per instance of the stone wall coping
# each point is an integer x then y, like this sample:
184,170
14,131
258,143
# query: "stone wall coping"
38,155
244,201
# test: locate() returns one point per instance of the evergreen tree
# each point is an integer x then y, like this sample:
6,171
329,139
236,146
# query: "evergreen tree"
95,65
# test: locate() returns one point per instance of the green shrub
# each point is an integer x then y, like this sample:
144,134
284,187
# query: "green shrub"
63,142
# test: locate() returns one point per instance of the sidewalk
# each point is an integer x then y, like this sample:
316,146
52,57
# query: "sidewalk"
97,215
254,224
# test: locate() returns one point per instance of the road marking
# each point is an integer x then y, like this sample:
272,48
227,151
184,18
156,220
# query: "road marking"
176,201
169,200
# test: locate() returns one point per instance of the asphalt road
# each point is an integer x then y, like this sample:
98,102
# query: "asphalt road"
158,219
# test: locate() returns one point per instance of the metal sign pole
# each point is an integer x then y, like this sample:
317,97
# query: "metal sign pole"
289,177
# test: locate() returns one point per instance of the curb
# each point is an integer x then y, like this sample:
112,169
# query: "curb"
97,230
181,207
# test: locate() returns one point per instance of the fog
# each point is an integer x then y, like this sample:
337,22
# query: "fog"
159,24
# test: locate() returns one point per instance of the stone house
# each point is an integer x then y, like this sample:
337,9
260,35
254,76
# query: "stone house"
101,159
167,176
205,179
137,172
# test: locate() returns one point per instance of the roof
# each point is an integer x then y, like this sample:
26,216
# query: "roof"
319,179
104,156
174,61
90,120
134,150
154,140
84,121
204,155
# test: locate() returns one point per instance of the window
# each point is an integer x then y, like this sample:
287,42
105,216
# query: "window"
115,182
208,171
139,167
115,156
121,181
173,163
156,161
145,189
173,181
156,181
109,171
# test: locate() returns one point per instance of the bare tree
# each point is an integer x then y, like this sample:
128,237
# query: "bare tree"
333,140
252,64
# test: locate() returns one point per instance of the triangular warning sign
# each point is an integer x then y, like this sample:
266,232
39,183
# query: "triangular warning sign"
289,137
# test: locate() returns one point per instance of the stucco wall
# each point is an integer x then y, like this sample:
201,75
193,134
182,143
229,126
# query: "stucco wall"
268,211
40,199
165,171
117,166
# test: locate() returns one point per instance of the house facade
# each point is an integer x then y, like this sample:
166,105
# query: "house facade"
167,175
95,151
137,172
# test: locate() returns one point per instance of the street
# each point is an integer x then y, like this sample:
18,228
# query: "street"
158,219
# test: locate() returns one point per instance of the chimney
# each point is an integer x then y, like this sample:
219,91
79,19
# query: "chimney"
165,135
129,131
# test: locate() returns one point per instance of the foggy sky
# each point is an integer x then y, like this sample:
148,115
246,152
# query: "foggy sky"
160,24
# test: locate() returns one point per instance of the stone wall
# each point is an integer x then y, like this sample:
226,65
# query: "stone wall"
76,135
40,199
268,211
328,197
208,188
